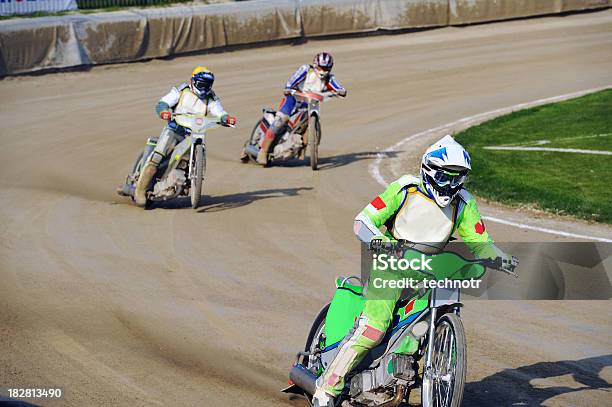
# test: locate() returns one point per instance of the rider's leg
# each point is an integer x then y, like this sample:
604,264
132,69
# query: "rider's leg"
282,115
368,332
166,141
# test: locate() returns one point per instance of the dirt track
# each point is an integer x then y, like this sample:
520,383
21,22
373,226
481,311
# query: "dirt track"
121,306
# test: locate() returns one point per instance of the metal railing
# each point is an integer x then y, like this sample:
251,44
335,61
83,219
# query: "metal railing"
101,4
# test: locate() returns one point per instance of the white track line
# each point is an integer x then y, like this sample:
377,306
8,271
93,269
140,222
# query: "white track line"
545,230
374,167
556,150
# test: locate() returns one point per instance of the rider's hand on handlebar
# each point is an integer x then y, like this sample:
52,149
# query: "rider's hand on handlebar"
380,242
228,120
166,115
509,264
288,92
342,93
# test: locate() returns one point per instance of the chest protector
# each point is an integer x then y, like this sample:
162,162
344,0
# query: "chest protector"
190,103
421,220
313,83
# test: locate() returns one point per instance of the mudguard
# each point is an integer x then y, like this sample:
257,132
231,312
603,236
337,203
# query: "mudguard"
345,308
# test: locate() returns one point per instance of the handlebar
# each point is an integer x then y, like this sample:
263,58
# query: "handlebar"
204,118
498,264
319,96
402,244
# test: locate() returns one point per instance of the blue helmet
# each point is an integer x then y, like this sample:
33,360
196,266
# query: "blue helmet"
202,80
444,169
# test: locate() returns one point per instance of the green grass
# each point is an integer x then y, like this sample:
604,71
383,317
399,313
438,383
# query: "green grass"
565,183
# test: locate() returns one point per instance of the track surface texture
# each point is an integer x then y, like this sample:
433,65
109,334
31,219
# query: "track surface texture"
171,306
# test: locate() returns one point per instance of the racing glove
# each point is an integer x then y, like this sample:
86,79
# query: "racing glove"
166,115
342,93
509,263
227,120
381,241
287,92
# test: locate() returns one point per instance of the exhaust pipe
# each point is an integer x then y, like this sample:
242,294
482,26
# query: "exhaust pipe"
303,378
252,150
400,393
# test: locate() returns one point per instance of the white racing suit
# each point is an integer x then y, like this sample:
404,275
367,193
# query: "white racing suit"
180,99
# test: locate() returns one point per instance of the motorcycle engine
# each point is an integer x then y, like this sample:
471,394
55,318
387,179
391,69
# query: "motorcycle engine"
288,146
168,187
372,386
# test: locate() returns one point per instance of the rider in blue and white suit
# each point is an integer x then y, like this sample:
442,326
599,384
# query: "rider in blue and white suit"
308,78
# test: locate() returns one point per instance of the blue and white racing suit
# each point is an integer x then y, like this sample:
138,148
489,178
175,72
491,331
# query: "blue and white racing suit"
305,79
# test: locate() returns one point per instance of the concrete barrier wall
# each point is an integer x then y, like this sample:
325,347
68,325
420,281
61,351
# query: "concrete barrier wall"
323,17
477,11
28,45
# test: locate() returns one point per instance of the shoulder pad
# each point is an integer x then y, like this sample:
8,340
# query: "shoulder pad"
465,196
407,180
182,86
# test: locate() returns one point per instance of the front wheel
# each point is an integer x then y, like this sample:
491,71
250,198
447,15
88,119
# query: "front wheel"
314,136
446,381
198,175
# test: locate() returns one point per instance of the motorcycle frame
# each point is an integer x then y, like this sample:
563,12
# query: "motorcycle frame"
185,146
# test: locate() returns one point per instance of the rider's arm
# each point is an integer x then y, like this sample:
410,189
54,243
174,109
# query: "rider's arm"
335,86
169,100
471,229
377,212
298,77
215,108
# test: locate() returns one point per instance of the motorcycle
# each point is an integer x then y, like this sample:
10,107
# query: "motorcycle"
301,132
426,329
182,173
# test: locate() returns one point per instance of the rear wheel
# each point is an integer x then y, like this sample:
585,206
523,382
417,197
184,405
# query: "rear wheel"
198,175
256,135
137,164
314,136
314,363
449,360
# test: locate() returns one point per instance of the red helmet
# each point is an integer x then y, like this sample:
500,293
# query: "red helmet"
323,63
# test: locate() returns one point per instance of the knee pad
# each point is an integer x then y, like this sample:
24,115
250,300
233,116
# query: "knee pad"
156,158
373,334
279,122
365,334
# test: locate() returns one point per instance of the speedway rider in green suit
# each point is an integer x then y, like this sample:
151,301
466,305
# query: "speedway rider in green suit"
429,209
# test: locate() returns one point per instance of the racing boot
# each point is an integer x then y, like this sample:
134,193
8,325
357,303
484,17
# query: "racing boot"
125,190
146,176
262,156
244,157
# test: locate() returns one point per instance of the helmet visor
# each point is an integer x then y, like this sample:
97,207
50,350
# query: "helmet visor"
444,178
202,84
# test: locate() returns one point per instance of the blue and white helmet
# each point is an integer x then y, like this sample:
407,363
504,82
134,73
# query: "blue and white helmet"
444,169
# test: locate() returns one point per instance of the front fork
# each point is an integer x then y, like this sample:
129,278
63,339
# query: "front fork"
432,329
427,368
194,142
